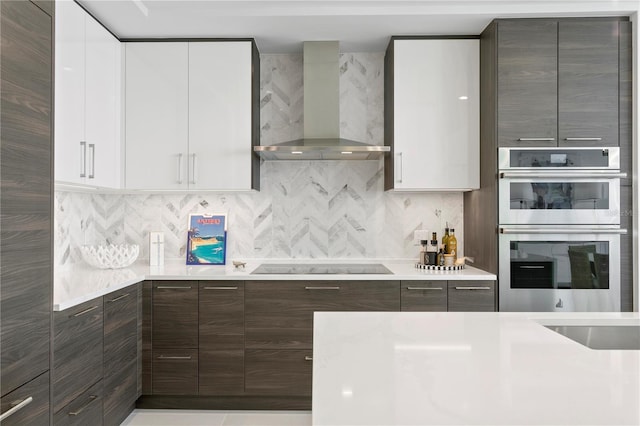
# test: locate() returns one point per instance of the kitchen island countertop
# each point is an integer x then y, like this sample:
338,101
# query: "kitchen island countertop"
80,283
454,368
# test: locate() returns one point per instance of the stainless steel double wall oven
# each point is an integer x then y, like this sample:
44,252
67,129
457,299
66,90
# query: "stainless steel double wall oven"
559,243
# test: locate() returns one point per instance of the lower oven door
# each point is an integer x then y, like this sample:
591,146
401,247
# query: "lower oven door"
553,268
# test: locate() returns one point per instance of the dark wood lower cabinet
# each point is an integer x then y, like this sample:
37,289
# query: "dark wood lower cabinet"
471,296
175,372
120,394
423,296
221,372
30,403
278,372
84,410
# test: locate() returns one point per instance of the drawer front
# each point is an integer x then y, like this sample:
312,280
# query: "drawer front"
175,372
30,403
471,296
120,329
85,410
220,371
424,296
146,344
278,372
175,314
77,351
120,394
279,315
221,315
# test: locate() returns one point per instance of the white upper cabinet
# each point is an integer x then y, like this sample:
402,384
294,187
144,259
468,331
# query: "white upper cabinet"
433,122
87,83
189,122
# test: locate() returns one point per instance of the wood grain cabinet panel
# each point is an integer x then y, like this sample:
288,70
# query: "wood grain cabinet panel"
278,372
423,296
146,337
175,314
84,410
77,351
175,371
221,338
471,296
34,413
120,394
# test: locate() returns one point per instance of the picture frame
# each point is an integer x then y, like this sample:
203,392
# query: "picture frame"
207,239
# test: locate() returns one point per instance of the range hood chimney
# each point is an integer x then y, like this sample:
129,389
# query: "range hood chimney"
321,139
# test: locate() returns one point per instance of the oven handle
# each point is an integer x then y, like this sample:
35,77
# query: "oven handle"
614,231
563,174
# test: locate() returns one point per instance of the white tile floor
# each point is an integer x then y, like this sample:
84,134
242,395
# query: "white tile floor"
217,418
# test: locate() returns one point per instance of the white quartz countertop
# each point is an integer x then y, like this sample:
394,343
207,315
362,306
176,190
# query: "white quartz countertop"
81,283
451,368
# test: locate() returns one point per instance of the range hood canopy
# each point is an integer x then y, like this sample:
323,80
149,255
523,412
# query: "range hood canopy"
321,139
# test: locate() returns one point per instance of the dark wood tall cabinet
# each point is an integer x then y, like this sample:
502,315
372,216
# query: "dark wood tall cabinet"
26,189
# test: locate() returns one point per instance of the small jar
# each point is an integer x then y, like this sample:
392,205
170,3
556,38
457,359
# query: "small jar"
449,259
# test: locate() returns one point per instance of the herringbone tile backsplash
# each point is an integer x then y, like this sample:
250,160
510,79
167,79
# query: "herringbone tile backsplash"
327,209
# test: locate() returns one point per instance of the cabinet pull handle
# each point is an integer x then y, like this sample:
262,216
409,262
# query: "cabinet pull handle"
172,287
16,406
308,358
174,357
220,288
83,159
92,147
536,139
194,165
81,409
118,298
322,288
582,139
531,267
399,167
86,311
424,288
179,169
473,288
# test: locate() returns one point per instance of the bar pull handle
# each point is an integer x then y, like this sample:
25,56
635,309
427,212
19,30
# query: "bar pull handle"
582,139
83,159
179,169
399,167
194,165
424,288
16,406
118,298
174,357
531,267
563,231
322,288
308,358
86,311
84,407
473,288
590,174
92,148
536,139
172,287
220,288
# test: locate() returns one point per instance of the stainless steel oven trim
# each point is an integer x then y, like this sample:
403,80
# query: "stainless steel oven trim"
503,158
561,300
508,216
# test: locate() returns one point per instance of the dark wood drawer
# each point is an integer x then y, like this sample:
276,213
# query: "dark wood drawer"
77,351
220,371
278,372
85,410
279,315
423,296
120,329
471,296
35,412
120,394
175,314
175,372
145,335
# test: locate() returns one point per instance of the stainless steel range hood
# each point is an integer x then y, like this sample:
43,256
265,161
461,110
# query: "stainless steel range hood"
321,139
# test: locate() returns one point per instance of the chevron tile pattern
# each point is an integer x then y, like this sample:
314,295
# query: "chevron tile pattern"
307,210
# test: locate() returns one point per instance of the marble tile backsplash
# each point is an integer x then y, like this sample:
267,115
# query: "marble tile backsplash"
327,209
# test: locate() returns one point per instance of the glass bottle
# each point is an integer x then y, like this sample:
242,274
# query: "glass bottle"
445,239
452,244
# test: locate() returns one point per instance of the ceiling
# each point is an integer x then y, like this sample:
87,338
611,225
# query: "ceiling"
359,25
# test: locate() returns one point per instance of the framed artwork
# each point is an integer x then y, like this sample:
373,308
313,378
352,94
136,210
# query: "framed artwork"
207,239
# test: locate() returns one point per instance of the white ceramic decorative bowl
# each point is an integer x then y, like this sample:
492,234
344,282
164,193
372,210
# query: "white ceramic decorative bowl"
112,256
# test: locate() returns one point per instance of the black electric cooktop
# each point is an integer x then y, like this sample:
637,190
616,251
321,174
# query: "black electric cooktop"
319,268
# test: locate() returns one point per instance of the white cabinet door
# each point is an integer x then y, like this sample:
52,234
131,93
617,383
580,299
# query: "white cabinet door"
70,147
220,115
436,114
156,123
102,97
